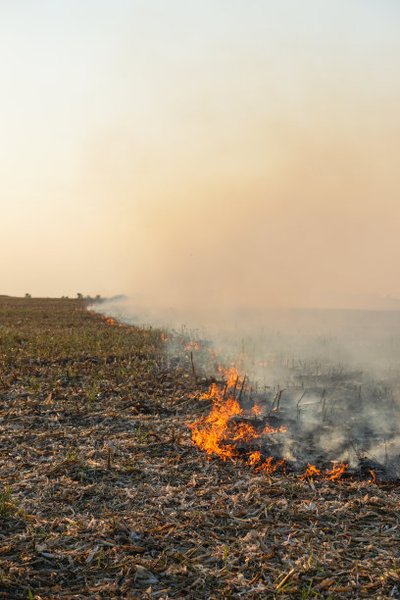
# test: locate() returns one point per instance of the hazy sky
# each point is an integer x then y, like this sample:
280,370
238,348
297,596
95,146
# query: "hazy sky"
188,151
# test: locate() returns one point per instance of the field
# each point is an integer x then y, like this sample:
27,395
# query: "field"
103,494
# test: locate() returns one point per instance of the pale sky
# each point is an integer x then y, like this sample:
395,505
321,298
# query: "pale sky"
193,151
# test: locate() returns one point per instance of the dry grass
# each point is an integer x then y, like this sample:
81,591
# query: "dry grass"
103,496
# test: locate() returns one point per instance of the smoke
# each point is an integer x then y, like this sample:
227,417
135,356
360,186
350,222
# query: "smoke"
335,371
215,156
275,217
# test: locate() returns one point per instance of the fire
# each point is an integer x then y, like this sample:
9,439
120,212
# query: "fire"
110,321
212,433
271,465
224,434
254,458
268,429
337,471
219,433
244,433
210,394
374,478
232,377
310,472
333,474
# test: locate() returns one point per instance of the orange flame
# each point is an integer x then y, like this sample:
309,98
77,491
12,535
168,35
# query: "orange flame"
110,321
244,433
333,474
374,478
211,394
211,433
270,465
268,429
254,458
310,472
215,434
219,433
337,471
232,376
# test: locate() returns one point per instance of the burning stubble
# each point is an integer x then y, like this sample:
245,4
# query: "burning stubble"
290,389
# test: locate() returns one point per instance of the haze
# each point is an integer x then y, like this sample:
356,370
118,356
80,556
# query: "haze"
224,154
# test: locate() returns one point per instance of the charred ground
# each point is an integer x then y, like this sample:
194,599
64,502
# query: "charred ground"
103,495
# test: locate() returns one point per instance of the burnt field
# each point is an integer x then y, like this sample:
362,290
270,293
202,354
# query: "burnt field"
104,495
